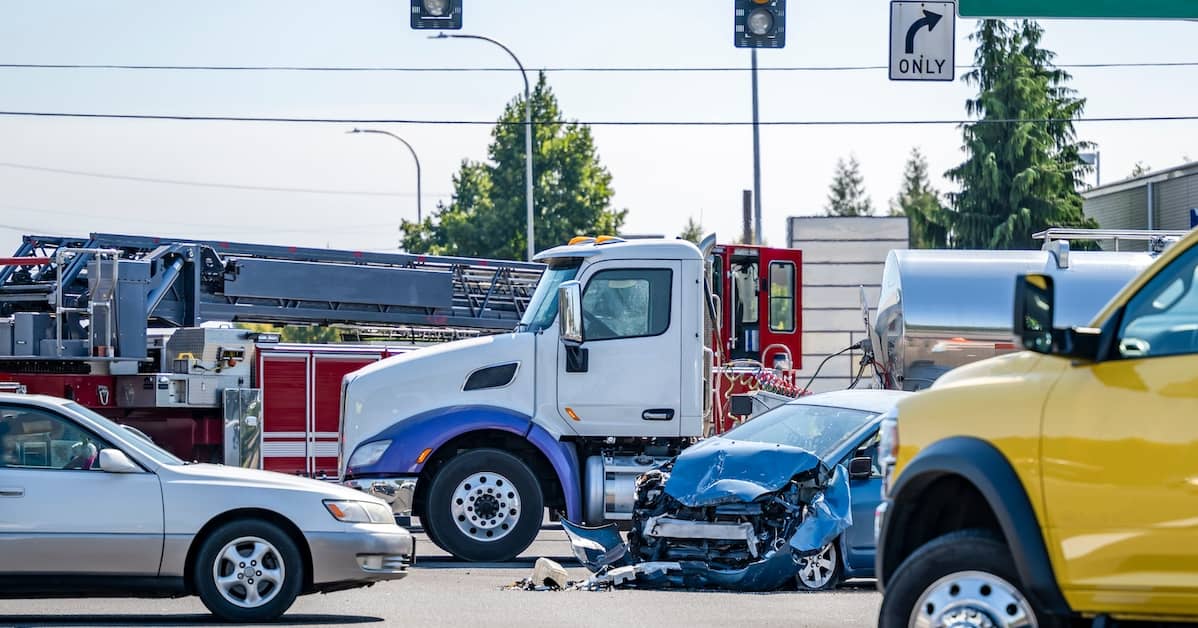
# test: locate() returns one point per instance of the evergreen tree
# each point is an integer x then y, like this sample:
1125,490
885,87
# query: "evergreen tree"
920,203
1022,174
693,231
847,196
488,214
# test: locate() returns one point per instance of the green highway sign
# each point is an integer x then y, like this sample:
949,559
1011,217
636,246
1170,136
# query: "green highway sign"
1114,9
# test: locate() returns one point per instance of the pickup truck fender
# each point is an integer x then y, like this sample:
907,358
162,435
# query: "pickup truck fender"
986,470
433,429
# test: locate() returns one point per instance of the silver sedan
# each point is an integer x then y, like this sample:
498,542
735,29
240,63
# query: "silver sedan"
88,508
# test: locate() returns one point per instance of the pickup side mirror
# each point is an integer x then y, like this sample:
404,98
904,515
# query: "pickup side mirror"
1033,324
1034,302
115,461
861,468
569,312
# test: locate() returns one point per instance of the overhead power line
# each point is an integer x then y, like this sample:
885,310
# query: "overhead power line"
558,69
203,184
642,123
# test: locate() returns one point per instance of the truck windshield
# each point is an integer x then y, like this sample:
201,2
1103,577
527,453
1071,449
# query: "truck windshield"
542,309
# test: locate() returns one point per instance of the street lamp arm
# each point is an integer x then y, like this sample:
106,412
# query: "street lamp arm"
415,157
505,49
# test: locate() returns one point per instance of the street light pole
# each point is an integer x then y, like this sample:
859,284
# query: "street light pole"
528,187
419,214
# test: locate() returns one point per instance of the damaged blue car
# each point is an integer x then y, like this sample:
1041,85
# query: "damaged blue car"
764,506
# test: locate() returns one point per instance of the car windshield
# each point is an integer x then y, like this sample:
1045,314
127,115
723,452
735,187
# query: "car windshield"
818,429
133,440
542,309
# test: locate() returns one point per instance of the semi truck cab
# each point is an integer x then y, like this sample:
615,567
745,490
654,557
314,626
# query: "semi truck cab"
607,374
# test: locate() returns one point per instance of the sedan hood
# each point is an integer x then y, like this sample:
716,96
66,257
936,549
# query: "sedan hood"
215,474
721,471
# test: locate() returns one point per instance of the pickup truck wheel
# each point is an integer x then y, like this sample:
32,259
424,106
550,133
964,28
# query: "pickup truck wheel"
484,505
822,571
248,571
964,579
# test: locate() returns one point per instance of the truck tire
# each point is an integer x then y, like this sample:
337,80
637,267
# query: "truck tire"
248,571
484,505
968,573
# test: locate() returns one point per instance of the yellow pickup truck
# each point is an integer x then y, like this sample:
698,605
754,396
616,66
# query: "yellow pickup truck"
1055,484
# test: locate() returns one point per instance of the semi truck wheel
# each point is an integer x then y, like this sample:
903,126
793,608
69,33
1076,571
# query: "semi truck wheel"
484,505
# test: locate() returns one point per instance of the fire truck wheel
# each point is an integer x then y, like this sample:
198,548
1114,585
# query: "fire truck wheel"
484,505
248,571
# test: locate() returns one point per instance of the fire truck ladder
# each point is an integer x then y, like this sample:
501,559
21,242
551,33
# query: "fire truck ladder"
171,282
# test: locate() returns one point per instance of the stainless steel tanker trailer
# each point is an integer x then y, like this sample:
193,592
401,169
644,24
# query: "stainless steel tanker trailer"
940,309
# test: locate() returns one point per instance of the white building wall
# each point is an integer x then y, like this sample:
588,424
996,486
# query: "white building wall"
840,255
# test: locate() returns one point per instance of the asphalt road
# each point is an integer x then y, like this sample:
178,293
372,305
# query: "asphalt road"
442,591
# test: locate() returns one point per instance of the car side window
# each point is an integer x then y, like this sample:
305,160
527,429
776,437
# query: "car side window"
32,438
1162,319
626,303
869,449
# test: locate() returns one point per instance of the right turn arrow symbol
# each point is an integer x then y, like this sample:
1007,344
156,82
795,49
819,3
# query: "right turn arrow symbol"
930,20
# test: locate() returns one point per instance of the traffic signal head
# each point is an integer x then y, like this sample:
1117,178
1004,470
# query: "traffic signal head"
760,24
437,14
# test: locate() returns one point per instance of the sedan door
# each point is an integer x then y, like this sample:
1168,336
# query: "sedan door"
859,543
61,514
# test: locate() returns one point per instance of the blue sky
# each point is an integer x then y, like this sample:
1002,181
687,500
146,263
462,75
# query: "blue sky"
662,175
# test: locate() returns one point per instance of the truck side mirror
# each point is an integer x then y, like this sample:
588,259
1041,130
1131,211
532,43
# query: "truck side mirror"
1034,296
569,312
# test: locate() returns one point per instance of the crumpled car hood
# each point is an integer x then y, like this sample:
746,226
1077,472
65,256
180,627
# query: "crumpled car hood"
791,503
721,471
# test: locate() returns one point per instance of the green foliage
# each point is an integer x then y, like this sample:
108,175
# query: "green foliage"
927,218
847,196
488,214
1020,177
693,231
303,334
1139,170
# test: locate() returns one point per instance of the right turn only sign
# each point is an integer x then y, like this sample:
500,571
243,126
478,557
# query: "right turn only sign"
923,41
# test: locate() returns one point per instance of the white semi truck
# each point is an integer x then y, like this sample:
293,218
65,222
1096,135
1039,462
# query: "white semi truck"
478,437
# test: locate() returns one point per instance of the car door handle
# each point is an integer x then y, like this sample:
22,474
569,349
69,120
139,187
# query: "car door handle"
12,492
658,414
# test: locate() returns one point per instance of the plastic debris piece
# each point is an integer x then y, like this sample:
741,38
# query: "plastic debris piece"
550,574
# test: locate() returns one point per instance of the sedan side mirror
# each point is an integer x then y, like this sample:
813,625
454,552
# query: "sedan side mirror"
115,461
861,468
569,312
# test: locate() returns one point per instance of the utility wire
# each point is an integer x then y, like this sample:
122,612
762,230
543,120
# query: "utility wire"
663,123
560,69
203,184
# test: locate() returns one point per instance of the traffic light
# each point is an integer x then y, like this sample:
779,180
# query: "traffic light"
760,24
445,15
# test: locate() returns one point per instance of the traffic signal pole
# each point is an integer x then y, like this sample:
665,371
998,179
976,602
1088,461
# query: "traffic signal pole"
756,155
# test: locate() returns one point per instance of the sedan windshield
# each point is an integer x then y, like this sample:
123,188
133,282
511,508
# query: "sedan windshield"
134,440
542,309
818,429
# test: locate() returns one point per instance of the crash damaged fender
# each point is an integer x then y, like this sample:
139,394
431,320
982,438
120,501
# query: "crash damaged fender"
740,527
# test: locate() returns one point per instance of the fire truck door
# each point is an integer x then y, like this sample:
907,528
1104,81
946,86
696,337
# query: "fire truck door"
781,307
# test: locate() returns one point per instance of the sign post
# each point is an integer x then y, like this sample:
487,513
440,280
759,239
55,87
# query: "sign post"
923,41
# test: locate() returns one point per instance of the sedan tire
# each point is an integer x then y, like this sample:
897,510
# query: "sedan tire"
822,571
248,571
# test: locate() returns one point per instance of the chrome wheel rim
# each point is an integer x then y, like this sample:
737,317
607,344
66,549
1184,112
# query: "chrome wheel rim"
972,599
815,572
485,506
249,572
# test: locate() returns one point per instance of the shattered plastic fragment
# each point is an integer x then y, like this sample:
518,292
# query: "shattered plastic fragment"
550,574
596,548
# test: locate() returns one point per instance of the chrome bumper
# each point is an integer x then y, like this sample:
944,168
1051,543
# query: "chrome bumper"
399,493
